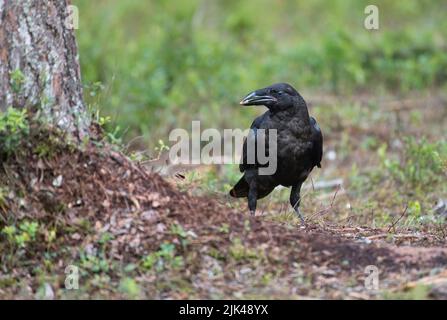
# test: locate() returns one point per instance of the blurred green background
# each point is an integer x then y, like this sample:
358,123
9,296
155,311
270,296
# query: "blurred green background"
156,65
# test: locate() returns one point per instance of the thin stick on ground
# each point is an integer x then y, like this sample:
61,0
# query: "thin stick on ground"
392,226
323,211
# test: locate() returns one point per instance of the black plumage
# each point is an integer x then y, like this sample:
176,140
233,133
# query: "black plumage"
299,145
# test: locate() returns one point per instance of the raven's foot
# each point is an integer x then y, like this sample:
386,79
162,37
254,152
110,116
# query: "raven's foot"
300,215
252,213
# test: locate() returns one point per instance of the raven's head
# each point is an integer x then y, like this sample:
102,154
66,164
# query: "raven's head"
279,96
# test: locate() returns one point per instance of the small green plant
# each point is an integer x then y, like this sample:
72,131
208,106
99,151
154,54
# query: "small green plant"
96,263
130,288
224,228
240,252
419,292
43,150
13,127
149,261
96,260
9,232
30,228
164,258
51,236
216,254
161,147
102,121
177,229
94,88
17,80
106,237
420,165
115,137
414,209
26,233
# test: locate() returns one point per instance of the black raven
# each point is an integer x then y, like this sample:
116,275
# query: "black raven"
299,145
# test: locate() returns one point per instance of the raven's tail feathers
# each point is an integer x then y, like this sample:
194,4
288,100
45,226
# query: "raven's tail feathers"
240,190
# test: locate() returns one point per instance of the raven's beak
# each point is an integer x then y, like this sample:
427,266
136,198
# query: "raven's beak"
256,99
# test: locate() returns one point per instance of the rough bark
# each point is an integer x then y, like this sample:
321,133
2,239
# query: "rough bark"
39,64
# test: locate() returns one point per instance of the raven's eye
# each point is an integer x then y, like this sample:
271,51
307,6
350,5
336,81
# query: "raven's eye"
280,92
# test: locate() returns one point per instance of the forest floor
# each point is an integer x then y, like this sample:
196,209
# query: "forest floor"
131,234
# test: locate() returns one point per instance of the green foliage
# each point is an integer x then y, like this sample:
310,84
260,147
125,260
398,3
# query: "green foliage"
29,228
240,251
165,64
13,127
420,165
94,262
224,228
115,136
130,288
161,147
26,233
419,292
414,209
164,258
178,230
17,80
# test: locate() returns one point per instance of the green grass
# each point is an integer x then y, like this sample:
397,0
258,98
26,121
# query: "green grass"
153,66
420,167
13,127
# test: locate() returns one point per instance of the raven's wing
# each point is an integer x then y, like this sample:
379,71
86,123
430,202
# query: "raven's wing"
317,139
244,165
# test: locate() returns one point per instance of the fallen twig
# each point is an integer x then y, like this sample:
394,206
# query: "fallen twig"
395,222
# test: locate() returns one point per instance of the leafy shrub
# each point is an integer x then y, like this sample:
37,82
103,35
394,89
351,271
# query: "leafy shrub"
421,164
164,258
26,233
13,127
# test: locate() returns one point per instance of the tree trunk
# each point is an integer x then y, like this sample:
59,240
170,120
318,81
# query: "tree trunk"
39,64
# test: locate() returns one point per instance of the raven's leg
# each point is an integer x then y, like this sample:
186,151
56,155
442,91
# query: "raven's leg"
252,196
295,200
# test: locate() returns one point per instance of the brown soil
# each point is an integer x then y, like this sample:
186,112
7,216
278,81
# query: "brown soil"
85,193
